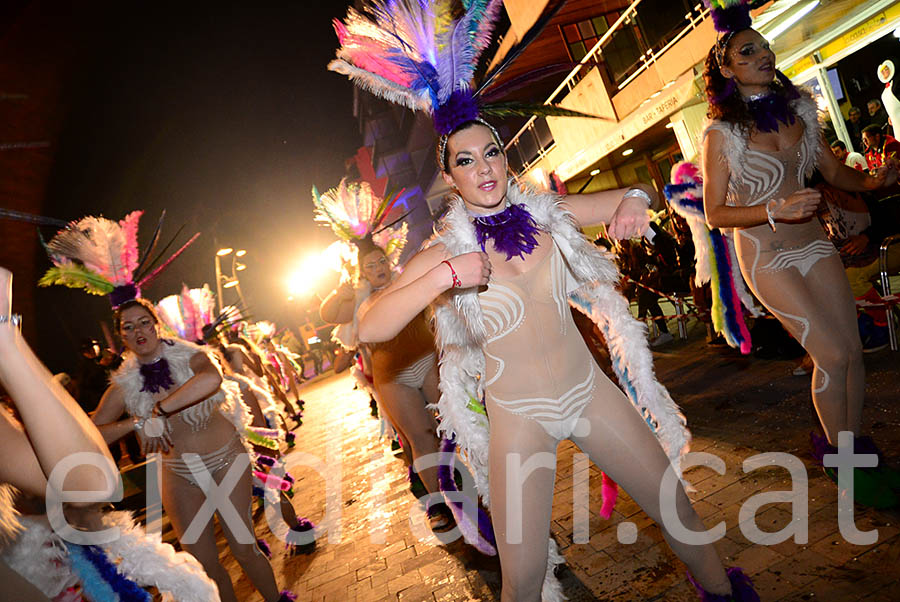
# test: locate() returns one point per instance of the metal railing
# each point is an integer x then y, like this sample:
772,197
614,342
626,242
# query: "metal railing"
886,286
649,56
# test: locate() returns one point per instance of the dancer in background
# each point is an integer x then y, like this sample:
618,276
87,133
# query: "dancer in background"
404,368
764,140
516,376
175,396
191,316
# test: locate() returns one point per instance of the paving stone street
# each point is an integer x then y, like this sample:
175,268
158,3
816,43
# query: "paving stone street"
378,547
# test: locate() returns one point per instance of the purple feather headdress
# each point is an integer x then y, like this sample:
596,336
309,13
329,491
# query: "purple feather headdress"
729,17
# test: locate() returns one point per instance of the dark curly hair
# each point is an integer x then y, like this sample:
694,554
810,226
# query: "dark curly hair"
725,101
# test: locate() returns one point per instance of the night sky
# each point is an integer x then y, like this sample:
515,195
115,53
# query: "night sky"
223,115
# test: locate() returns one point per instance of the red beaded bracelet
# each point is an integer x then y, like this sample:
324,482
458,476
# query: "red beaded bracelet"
457,283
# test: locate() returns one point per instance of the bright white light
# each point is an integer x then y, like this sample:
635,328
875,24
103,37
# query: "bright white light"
337,255
240,267
303,280
595,172
231,283
627,152
790,21
670,125
241,253
224,252
655,94
897,33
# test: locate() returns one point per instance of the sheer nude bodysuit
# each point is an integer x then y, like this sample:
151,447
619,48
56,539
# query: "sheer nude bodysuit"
797,274
542,386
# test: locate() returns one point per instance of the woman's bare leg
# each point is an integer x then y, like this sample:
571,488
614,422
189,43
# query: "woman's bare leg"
248,555
819,311
623,446
405,408
182,501
521,503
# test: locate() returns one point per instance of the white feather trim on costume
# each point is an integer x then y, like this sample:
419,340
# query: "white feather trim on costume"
178,354
40,556
150,562
347,335
551,590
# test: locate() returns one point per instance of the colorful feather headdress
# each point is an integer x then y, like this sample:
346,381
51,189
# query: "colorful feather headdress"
716,260
730,17
423,54
356,214
102,257
192,314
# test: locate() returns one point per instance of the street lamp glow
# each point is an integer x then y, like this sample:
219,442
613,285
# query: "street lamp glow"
241,253
231,283
240,267
224,252
303,280
627,152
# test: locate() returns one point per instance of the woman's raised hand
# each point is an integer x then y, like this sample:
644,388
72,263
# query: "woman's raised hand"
471,269
799,206
630,219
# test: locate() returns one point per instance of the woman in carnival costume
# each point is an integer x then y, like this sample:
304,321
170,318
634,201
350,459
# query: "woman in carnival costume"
762,142
516,376
404,368
53,429
176,398
191,316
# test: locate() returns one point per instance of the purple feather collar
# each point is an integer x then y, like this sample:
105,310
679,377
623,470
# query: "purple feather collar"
770,109
156,376
512,231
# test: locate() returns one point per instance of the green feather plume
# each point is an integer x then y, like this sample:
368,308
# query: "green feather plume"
75,275
520,109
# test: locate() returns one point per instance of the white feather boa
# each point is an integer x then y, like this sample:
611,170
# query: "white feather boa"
178,354
40,556
590,283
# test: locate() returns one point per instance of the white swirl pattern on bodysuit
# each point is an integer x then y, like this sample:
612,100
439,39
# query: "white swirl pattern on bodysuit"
503,312
557,416
763,176
803,259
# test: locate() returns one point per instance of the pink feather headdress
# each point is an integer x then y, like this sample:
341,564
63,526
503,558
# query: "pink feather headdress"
102,257
423,54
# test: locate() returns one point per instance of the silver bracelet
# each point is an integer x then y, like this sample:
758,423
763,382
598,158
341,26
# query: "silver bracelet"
637,193
14,319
